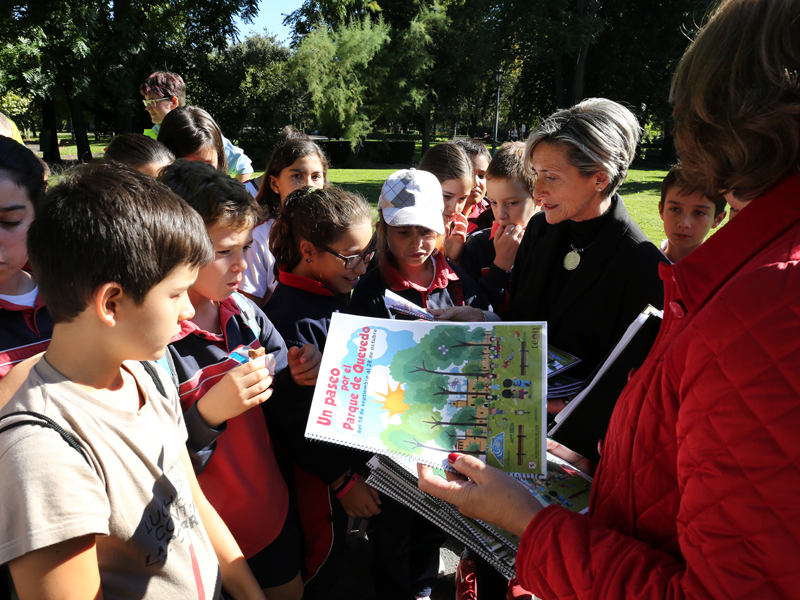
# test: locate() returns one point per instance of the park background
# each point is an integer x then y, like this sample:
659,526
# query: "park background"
386,78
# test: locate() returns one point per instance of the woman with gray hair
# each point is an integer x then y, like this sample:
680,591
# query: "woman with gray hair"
583,265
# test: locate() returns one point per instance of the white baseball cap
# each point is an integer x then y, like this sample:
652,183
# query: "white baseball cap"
412,197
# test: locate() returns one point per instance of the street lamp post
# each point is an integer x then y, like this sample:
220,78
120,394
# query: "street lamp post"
498,76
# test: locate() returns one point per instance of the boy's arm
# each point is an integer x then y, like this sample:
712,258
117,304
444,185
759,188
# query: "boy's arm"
237,579
64,571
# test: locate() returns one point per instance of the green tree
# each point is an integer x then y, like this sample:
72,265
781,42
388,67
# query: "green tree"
405,72
85,54
333,65
250,91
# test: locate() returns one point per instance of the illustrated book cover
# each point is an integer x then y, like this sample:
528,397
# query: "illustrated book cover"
424,389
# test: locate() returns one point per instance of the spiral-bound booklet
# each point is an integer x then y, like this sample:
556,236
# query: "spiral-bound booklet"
564,485
424,389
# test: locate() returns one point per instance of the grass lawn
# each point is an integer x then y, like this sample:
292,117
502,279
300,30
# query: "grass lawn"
641,193
98,147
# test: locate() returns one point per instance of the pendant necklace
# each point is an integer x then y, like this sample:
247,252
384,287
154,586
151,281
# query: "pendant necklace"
573,257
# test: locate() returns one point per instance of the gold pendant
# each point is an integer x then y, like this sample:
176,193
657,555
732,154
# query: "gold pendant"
572,260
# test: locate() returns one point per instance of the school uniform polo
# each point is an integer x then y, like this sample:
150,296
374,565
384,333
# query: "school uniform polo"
241,480
301,309
478,261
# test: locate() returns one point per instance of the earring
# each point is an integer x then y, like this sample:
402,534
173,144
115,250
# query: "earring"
599,189
308,260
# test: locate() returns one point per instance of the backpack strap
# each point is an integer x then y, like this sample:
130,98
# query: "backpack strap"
151,370
48,423
168,364
248,314
45,421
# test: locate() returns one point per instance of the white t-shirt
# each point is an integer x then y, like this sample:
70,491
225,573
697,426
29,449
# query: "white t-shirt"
133,493
259,277
28,299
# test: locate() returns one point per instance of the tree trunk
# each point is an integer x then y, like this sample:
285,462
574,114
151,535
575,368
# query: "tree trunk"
578,78
669,153
49,135
426,132
79,130
472,129
576,94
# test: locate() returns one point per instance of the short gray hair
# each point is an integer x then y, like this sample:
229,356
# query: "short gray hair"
599,135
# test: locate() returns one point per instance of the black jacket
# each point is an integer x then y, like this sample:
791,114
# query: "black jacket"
616,278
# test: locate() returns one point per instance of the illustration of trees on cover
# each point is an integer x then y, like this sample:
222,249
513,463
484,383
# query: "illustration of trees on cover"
435,372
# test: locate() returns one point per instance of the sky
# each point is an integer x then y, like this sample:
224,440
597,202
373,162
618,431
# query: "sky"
270,17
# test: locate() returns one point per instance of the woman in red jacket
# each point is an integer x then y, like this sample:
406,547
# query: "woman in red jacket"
696,491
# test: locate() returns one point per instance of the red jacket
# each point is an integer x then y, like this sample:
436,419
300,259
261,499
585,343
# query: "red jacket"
698,490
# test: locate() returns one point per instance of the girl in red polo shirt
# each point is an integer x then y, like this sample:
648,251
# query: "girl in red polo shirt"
409,233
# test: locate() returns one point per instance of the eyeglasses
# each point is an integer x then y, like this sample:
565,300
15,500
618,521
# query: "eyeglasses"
351,262
152,102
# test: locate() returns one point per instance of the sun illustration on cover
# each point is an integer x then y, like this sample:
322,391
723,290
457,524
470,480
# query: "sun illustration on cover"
394,400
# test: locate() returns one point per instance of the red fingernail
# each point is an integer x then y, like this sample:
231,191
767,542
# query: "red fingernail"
452,457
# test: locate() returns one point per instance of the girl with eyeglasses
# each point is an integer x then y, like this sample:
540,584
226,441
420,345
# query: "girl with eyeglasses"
322,244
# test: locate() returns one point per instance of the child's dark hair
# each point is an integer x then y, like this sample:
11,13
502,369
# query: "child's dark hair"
165,85
220,200
107,223
509,163
138,151
675,179
473,148
187,129
448,161
23,168
291,146
319,216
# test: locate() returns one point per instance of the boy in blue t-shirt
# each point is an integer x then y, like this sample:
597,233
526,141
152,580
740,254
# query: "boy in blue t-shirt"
164,91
